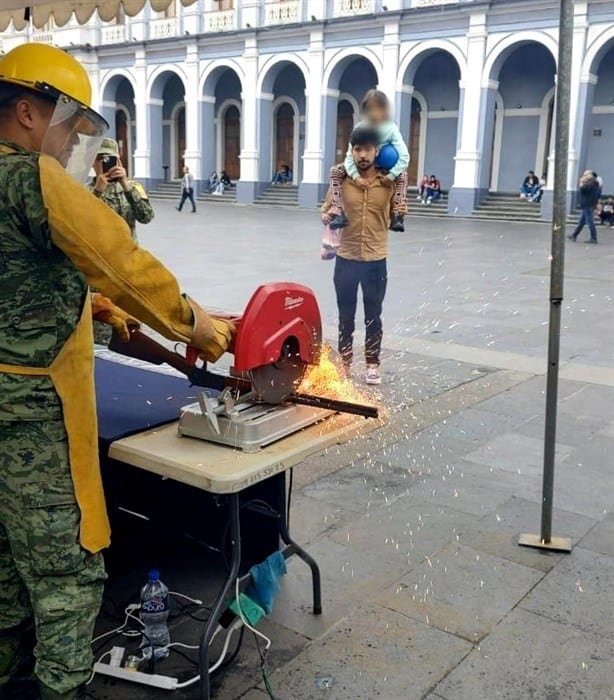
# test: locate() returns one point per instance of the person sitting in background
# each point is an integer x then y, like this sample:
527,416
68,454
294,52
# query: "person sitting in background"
214,181
424,183
606,215
283,175
224,179
432,191
530,186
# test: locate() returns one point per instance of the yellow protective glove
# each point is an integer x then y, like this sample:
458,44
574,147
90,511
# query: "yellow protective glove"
212,336
104,310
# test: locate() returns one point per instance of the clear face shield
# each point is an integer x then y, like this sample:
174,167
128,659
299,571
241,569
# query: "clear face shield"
74,136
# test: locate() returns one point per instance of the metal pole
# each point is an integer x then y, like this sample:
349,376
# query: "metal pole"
557,268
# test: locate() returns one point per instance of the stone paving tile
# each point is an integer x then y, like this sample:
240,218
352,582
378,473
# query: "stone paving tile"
516,453
526,400
584,490
573,430
309,517
254,694
349,578
475,494
373,653
601,537
461,591
596,455
497,533
579,592
529,657
407,532
592,401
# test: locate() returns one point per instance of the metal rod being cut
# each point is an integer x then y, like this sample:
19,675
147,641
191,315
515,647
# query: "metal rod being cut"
557,266
334,405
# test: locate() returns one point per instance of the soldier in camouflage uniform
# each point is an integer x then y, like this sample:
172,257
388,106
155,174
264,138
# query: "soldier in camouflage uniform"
55,237
126,197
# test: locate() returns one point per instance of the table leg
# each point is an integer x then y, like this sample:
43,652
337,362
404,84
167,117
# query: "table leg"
294,548
221,601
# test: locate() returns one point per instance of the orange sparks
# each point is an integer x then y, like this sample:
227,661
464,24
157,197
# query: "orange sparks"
325,379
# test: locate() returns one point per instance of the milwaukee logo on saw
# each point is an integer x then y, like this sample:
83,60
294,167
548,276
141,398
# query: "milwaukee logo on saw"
292,302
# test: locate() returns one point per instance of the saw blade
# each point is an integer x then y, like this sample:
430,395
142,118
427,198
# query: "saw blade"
274,382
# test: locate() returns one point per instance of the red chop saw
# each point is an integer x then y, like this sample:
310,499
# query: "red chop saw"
279,336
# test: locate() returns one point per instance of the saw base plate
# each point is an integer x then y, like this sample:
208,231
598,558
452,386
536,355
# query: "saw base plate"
249,426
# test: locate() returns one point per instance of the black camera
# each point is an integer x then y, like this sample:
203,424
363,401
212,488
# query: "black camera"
108,163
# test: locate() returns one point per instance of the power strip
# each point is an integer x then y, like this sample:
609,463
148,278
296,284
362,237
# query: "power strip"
153,679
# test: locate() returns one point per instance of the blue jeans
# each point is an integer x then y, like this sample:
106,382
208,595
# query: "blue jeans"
586,219
433,195
530,191
371,276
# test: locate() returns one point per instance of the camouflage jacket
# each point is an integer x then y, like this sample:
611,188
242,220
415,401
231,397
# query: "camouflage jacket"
131,204
41,291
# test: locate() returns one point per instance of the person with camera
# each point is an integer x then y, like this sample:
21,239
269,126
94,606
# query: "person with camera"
111,184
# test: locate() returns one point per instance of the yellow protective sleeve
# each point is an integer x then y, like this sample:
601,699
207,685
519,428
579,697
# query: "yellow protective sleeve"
98,242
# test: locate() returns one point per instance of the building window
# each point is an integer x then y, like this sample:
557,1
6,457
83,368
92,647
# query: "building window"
171,10
224,4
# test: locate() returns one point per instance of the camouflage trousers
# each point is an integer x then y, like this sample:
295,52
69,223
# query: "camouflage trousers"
44,572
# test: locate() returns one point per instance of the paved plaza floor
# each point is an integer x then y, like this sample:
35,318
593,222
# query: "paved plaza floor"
427,594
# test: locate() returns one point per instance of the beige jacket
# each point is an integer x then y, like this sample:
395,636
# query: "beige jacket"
369,211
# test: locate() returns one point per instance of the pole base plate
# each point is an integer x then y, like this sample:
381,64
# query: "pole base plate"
556,544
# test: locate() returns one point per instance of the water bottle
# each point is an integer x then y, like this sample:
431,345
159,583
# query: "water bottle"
154,613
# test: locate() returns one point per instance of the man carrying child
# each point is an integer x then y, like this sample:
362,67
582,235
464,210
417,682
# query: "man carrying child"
363,247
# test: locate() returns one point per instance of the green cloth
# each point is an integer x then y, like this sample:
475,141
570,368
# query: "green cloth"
41,291
388,133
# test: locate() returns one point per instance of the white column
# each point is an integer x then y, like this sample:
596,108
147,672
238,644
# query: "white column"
192,156
313,156
469,152
581,90
142,153
246,187
390,62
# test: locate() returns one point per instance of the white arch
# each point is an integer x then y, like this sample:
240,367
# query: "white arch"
229,63
497,142
353,101
295,134
219,130
599,44
173,120
116,73
165,68
358,52
518,38
273,60
429,46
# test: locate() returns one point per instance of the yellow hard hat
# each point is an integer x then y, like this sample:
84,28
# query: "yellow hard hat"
40,67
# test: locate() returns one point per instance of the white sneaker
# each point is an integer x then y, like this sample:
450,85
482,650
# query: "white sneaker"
373,375
418,198
429,200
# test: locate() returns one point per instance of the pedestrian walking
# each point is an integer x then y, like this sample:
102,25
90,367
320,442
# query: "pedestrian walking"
589,192
187,189
361,256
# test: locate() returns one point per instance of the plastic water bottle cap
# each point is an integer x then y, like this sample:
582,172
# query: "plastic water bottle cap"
154,575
